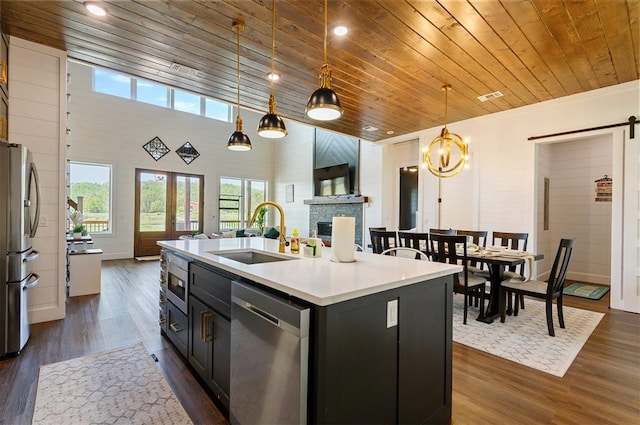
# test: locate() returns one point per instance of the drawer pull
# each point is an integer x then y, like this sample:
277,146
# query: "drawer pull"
204,325
162,322
174,327
162,302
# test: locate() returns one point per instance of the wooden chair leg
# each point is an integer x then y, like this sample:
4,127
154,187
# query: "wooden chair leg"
521,301
464,316
516,302
481,296
560,315
510,306
549,305
503,301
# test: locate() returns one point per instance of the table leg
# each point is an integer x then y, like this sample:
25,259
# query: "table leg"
493,309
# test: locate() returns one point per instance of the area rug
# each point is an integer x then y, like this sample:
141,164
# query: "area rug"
583,290
524,339
120,386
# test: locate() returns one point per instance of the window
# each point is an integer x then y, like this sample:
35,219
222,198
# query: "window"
92,182
155,94
109,82
115,84
238,200
186,102
217,110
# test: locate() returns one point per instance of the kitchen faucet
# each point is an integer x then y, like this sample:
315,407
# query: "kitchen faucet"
283,241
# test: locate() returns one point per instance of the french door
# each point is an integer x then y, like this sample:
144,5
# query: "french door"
167,205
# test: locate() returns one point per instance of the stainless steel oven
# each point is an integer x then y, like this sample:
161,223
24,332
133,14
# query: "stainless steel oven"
177,280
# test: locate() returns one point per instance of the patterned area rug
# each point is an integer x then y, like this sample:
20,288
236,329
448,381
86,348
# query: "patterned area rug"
524,339
121,386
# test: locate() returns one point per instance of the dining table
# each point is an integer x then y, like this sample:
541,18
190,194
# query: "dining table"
498,261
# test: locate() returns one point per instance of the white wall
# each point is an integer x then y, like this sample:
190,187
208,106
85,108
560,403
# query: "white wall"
574,213
36,109
544,237
371,178
293,165
112,130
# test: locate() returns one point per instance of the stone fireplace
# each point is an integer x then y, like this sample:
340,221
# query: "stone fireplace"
323,209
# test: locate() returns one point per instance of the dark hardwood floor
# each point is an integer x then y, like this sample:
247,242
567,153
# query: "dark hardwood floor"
602,386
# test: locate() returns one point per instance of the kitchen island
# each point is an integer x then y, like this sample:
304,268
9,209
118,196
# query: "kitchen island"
378,333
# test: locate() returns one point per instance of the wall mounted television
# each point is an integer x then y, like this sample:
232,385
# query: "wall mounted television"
332,181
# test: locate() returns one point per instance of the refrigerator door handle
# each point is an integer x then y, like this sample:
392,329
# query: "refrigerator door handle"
34,279
36,218
32,256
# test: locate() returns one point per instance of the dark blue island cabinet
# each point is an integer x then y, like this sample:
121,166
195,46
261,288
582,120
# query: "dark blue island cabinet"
366,368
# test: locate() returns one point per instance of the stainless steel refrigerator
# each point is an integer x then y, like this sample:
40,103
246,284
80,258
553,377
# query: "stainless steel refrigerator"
19,216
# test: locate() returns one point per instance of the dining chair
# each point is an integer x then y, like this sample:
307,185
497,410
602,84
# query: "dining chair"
371,236
406,252
383,239
444,250
415,240
548,291
479,238
518,242
443,231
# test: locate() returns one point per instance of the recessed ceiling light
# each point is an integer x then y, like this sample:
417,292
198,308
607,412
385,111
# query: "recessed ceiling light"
340,30
273,76
95,8
390,132
370,128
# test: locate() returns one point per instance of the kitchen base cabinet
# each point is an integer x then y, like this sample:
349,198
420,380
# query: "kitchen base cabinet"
375,361
209,348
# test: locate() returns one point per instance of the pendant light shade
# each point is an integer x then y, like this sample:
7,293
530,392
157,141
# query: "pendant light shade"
272,125
239,141
324,105
452,152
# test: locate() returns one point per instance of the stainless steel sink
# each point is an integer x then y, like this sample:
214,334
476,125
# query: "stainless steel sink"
250,257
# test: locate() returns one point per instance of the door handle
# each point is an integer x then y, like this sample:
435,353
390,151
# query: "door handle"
34,254
33,281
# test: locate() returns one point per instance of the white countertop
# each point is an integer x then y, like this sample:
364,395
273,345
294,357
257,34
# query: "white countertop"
317,280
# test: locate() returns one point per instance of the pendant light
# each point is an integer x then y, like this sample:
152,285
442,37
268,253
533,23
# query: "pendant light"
444,166
323,105
239,141
271,125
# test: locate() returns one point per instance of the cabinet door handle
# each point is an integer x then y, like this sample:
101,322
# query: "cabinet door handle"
206,315
174,327
161,322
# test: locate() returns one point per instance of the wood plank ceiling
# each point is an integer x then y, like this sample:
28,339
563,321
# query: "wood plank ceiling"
389,69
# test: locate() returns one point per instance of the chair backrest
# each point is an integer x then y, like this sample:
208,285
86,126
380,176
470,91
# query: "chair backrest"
516,241
558,274
443,231
418,241
383,239
479,237
443,250
403,251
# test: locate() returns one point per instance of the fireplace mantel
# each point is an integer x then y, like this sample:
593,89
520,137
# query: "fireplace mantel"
328,200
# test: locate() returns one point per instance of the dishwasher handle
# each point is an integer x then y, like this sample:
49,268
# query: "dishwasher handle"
285,314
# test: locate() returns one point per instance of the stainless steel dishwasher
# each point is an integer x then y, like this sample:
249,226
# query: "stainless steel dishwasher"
269,358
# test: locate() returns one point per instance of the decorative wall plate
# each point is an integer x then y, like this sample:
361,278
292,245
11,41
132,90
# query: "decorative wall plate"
187,152
156,148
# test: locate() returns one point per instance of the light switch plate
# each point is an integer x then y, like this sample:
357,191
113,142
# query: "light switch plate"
392,313
43,221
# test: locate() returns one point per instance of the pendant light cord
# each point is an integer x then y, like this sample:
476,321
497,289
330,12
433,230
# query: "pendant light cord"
238,69
273,44
326,20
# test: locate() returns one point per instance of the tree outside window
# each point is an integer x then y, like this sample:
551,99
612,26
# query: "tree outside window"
92,183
